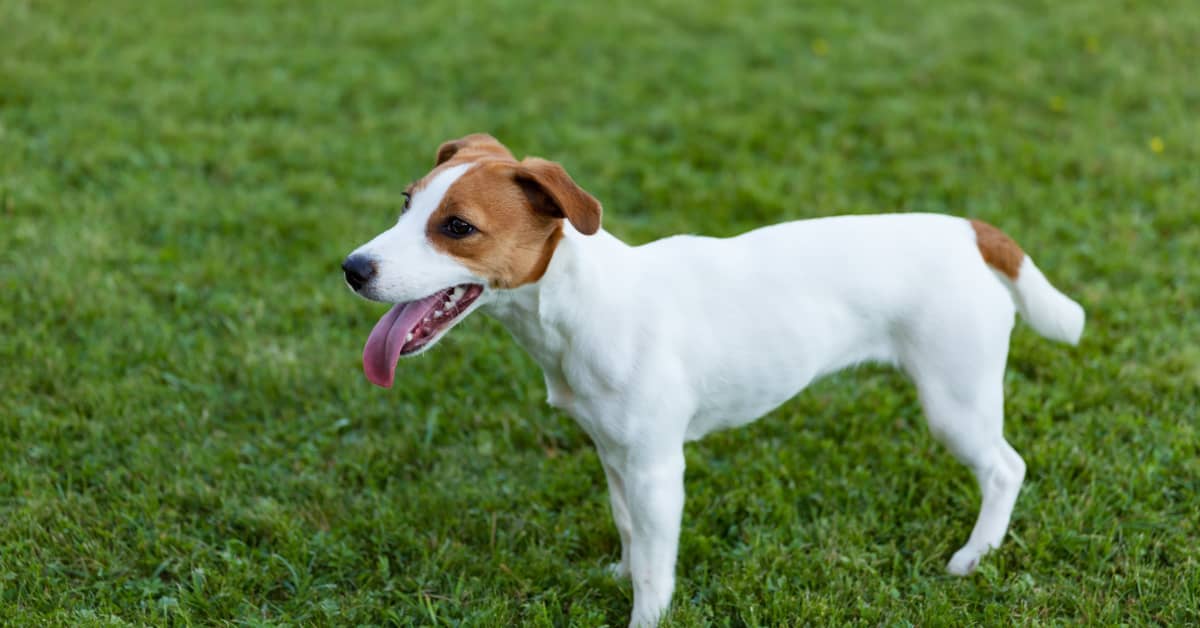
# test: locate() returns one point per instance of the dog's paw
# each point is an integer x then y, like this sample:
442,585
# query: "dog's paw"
965,561
618,570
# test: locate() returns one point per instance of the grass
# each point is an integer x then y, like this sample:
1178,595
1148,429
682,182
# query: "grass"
186,436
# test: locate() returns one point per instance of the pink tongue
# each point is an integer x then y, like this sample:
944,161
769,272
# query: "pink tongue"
387,339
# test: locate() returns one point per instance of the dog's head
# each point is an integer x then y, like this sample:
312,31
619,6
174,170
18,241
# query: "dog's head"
479,222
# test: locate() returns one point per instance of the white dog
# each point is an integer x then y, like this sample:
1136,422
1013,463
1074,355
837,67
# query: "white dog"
651,346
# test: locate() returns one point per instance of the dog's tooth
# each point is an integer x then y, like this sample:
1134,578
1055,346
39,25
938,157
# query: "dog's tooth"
437,314
408,338
456,294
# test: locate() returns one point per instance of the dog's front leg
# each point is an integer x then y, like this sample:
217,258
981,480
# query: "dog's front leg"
620,512
654,495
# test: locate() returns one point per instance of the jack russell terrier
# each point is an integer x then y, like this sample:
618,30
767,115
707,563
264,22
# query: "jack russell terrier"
651,346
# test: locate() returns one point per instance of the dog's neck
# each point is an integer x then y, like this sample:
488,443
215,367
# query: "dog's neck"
546,315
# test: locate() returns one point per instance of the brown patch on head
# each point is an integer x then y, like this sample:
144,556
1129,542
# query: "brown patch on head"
998,250
517,211
551,191
470,148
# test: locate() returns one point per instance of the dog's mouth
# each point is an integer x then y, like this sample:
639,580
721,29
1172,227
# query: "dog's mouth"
412,326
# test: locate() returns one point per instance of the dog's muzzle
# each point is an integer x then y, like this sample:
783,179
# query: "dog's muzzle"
359,271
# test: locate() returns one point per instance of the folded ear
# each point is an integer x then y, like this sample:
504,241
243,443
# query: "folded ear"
552,192
480,142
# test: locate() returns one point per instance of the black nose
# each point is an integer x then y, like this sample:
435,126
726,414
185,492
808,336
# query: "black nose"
359,270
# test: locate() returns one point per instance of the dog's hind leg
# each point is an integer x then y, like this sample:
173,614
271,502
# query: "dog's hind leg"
972,432
961,387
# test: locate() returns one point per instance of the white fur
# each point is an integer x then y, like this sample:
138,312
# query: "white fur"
408,267
651,346
1046,309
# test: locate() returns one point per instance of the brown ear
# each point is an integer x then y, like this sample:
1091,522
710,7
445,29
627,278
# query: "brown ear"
481,142
551,191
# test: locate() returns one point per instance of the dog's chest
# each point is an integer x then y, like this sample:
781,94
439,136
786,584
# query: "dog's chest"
580,387
570,378
580,383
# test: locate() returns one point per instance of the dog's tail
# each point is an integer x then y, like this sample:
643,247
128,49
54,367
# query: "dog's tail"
1050,312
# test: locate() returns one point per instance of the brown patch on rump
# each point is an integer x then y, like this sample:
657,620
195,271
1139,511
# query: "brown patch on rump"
998,250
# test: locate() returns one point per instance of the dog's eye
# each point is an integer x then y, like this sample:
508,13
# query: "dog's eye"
407,200
457,228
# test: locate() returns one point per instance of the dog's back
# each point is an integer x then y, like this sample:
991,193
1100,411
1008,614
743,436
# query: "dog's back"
754,318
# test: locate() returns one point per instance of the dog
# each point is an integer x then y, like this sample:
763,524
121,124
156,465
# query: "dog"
652,346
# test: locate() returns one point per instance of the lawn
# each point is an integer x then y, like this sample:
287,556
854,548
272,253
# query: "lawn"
186,435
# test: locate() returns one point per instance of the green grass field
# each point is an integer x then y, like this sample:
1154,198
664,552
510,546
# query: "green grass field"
186,436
